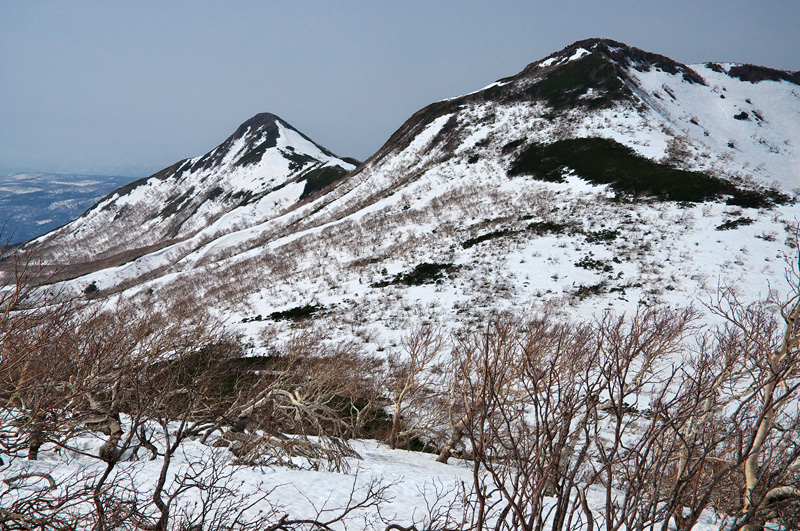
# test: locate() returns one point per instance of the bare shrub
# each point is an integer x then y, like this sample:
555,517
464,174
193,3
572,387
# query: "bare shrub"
414,386
316,393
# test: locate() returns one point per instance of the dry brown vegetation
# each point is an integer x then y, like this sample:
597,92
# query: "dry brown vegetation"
664,416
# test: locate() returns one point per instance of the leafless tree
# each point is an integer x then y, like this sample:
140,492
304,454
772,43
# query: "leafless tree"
415,383
521,403
37,500
551,409
627,448
763,395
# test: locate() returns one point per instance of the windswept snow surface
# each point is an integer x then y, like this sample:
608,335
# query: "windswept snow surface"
762,143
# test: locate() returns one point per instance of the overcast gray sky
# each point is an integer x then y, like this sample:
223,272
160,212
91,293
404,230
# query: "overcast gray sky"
127,88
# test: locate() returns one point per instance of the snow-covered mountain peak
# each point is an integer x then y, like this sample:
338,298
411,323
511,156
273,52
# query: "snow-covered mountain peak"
260,130
600,176
265,167
263,121
712,119
253,138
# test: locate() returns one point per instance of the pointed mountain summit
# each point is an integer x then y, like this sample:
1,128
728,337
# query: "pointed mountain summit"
248,144
263,168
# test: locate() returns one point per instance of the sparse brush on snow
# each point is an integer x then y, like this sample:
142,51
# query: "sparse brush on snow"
632,420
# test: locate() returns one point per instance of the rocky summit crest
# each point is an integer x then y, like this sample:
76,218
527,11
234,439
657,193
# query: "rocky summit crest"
619,53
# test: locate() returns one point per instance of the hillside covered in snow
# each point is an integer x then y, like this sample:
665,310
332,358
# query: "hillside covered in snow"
600,177
575,288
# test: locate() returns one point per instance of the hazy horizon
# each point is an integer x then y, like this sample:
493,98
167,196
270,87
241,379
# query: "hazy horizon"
127,89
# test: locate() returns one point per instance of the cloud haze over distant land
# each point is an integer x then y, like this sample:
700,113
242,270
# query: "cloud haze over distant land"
129,88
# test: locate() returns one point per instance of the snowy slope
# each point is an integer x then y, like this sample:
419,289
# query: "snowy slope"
745,128
414,488
440,192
